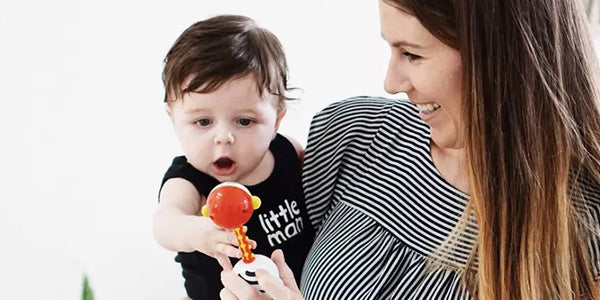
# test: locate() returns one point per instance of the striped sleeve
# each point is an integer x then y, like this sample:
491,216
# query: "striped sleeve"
334,136
589,207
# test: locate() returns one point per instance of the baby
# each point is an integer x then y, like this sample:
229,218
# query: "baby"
225,83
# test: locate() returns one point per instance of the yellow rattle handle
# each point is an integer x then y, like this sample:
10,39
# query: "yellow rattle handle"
247,255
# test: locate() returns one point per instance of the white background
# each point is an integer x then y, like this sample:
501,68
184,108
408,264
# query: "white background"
85,139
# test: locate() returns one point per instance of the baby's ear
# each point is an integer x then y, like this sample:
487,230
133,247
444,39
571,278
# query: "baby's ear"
168,110
280,116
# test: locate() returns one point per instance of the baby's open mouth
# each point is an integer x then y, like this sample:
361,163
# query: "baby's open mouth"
224,166
224,163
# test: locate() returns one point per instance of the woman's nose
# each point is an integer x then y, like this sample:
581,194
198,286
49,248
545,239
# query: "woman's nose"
397,79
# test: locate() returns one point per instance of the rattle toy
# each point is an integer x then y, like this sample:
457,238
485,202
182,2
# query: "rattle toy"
230,205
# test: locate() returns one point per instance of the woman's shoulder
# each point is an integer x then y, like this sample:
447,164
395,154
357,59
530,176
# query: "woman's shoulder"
364,104
370,113
369,107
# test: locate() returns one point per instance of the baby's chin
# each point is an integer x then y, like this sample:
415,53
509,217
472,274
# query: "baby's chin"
224,177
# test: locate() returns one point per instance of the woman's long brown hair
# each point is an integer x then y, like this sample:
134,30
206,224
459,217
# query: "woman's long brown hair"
532,134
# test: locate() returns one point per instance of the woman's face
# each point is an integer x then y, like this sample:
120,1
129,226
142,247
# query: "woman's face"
428,71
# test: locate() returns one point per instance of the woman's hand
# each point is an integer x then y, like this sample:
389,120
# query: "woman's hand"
237,289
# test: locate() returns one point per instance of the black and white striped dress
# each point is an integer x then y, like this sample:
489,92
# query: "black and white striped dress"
380,206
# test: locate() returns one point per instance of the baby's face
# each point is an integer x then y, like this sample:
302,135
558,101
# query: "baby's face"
226,133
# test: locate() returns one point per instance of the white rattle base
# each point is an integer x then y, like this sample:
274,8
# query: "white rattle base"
248,270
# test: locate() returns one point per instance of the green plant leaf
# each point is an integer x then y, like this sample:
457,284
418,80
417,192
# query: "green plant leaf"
87,294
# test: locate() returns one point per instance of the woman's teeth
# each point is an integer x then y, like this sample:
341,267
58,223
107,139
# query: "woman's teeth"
428,108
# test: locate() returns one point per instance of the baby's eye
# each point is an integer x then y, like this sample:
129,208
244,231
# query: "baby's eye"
244,122
203,122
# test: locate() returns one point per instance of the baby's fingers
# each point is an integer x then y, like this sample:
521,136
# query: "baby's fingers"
224,262
229,237
229,250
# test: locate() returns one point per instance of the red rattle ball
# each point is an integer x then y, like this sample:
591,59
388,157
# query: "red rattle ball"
230,205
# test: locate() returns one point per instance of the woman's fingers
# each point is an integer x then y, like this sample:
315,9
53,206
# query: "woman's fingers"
238,287
273,286
225,294
285,273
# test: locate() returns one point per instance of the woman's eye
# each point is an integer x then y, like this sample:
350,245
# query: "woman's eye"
204,122
411,57
245,122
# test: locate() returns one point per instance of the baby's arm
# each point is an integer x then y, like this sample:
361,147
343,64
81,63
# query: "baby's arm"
178,226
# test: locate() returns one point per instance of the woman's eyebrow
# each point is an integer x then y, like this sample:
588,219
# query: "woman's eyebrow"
402,43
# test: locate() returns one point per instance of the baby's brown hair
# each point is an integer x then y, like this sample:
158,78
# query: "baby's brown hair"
216,50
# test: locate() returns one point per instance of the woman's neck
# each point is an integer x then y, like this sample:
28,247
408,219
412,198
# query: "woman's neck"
451,163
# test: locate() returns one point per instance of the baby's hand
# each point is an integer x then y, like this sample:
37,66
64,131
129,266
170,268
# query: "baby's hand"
213,240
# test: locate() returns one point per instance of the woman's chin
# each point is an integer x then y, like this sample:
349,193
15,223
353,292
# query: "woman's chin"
446,140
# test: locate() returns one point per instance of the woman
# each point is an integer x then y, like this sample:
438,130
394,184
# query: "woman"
484,185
